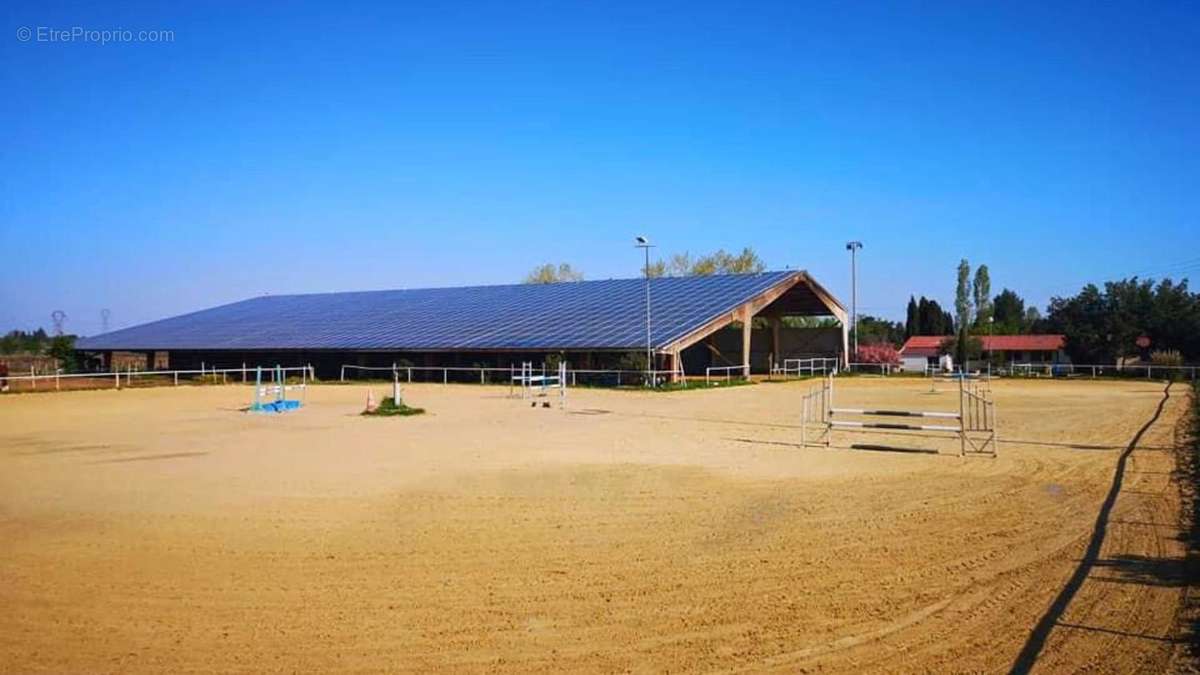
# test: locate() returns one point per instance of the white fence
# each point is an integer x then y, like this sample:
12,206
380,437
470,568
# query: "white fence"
1094,371
727,370
878,368
131,377
496,375
821,365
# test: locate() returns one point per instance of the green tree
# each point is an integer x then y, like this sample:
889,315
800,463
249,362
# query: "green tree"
1101,325
62,347
962,296
932,319
1009,311
549,274
912,317
1032,318
982,295
873,330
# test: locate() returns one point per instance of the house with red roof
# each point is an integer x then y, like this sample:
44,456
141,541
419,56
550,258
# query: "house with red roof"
920,351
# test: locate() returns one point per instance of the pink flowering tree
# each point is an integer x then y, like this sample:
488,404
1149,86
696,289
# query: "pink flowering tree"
877,353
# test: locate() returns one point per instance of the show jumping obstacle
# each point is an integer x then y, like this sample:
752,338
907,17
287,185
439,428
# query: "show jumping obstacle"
535,386
277,391
975,420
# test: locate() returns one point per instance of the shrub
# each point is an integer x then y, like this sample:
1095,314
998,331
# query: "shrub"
388,408
877,353
1170,357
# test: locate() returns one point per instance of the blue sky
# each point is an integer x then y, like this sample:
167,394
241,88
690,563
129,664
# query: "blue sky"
332,146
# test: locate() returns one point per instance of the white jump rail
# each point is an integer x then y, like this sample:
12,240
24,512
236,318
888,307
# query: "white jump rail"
975,428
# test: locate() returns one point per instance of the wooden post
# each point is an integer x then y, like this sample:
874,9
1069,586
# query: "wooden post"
775,322
746,328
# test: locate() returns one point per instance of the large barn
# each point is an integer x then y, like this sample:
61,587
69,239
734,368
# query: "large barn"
694,323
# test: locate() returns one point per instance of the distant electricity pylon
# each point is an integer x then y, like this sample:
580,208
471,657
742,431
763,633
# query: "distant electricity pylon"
104,314
58,317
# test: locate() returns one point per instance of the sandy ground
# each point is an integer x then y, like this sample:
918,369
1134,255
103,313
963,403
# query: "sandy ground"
162,530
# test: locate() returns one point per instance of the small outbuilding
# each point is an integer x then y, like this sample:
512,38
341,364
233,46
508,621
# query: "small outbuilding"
921,351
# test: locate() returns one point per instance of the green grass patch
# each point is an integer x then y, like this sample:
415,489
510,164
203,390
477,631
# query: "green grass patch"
388,408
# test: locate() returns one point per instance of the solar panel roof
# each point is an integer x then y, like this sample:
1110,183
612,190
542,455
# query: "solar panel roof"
572,315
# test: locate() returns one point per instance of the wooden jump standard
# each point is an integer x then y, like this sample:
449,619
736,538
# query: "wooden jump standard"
976,417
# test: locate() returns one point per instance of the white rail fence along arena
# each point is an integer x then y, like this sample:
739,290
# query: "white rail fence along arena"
821,365
132,377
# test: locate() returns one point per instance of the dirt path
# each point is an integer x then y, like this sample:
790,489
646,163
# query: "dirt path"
162,530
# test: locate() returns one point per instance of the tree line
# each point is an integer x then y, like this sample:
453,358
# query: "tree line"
1100,323
39,342
675,265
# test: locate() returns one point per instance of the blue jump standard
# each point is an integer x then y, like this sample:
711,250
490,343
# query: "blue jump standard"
282,405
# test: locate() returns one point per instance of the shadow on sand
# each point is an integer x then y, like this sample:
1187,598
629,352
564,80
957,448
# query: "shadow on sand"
1141,570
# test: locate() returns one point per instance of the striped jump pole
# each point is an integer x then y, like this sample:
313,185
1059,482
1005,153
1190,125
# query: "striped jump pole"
890,425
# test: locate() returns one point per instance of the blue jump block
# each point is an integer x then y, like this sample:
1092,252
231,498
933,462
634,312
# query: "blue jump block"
279,406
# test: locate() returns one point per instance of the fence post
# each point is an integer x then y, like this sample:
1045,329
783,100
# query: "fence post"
57,372
243,372
117,375
33,377
177,378
481,376
445,376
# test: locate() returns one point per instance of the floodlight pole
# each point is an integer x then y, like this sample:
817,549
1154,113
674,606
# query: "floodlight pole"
989,351
853,247
645,245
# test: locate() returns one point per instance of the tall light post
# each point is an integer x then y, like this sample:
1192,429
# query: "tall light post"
853,247
991,319
644,244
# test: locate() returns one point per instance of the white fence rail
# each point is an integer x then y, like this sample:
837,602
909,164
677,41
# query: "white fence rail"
1094,371
880,368
497,375
55,381
727,370
821,365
